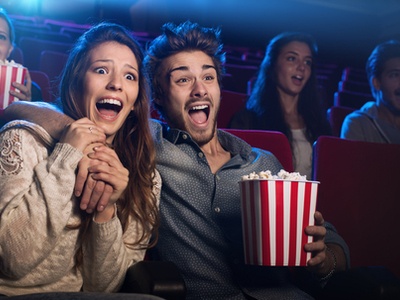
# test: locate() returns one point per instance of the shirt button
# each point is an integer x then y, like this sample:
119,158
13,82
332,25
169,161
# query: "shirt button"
201,154
184,136
217,209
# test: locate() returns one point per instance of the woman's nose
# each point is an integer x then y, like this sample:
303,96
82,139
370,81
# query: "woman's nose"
115,83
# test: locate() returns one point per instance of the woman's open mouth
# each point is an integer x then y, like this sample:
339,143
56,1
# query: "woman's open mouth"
109,108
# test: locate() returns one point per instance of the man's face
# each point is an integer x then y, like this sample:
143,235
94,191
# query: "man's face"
388,85
191,94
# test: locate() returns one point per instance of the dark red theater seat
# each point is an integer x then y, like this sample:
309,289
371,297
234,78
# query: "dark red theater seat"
359,194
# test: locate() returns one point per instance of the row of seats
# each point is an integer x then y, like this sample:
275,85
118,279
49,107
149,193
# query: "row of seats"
36,35
48,57
357,193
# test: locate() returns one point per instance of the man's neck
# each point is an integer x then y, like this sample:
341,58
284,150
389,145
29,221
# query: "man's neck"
216,155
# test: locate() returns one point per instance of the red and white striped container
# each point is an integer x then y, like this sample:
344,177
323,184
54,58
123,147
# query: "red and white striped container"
9,74
275,213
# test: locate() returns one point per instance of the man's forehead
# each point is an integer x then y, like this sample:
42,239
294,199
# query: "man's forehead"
188,60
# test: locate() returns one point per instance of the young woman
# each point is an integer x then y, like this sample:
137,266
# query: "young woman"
285,97
7,40
49,240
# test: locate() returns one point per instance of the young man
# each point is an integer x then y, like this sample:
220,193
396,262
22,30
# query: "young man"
379,121
200,167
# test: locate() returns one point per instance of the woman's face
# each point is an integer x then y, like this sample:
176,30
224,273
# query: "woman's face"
111,86
293,68
5,43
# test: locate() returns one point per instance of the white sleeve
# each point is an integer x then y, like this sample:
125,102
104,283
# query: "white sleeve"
108,255
35,203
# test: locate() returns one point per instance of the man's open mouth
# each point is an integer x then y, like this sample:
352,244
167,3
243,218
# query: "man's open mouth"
199,113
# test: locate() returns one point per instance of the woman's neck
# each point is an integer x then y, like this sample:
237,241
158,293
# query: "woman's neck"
290,113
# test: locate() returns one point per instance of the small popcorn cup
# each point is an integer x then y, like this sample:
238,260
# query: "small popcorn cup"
275,213
9,74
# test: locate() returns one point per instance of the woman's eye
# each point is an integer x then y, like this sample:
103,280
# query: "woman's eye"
3,37
182,80
101,70
130,77
309,63
209,77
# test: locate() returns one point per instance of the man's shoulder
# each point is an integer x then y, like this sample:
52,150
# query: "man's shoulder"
156,128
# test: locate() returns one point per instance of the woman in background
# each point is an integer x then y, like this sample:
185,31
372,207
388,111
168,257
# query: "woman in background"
285,97
7,40
49,240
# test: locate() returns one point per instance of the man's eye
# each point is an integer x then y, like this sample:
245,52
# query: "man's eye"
209,77
394,74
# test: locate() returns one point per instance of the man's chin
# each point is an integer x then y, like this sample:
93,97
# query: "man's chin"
202,136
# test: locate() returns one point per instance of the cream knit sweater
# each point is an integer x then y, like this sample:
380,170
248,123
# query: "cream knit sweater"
36,204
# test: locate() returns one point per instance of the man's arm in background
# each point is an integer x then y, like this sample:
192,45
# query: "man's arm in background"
44,114
53,120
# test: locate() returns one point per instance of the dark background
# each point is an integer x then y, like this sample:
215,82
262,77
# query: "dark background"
346,30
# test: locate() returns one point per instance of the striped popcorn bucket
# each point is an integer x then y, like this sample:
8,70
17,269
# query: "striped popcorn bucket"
9,74
274,216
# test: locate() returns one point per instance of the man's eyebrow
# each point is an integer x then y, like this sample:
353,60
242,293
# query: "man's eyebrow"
186,68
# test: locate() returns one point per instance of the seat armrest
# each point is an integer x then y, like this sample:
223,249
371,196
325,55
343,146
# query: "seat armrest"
159,278
363,283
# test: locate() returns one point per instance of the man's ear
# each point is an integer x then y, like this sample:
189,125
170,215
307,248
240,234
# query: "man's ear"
376,83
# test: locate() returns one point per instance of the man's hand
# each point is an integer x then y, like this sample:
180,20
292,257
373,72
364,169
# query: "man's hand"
317,247
323,260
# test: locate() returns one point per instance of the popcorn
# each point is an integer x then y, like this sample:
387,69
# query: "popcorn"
275,211
10,71
282,174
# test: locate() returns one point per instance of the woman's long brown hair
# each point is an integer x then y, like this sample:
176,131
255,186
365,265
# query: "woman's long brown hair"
133,142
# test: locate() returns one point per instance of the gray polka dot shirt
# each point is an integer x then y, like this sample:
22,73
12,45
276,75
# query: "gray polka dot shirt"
201,219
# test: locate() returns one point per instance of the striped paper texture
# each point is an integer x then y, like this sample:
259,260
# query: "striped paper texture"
274,216
9,74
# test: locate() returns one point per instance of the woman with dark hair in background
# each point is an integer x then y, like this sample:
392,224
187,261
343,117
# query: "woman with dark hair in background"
285,97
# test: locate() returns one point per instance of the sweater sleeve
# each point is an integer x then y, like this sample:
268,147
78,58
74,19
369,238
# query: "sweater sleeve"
108,252
356,127
35,203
